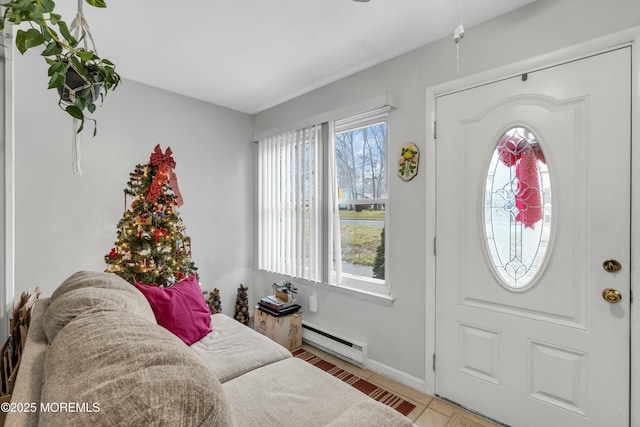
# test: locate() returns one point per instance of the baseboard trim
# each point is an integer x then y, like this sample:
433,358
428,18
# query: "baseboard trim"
396,375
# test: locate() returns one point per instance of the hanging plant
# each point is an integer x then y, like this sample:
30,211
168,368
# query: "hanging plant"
77,72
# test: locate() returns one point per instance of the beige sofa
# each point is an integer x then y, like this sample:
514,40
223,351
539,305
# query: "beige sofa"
96,356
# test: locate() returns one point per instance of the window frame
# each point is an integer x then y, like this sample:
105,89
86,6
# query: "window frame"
369,287
352,123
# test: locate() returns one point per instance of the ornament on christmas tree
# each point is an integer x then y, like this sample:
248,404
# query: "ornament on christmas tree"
151,245
242,306
215,306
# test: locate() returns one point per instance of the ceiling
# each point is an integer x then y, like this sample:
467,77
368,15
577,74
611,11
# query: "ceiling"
250,55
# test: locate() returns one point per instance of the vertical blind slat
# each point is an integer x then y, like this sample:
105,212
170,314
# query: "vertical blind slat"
314,214
299,239
286,214
277,211
288,204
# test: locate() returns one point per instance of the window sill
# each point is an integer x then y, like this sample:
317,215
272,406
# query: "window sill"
362,295
383,299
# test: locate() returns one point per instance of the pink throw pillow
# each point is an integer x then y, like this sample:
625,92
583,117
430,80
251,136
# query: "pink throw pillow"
180,308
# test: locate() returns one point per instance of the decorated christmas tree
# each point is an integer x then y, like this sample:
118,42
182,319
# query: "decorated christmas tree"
151,246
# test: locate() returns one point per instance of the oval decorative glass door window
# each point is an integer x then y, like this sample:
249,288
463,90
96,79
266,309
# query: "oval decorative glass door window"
517,208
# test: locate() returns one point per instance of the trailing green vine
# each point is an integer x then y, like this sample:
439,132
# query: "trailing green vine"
62,51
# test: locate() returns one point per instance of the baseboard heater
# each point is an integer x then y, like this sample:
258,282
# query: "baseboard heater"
344,348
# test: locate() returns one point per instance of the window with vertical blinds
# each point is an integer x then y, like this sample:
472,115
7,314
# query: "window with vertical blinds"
323,200
290,203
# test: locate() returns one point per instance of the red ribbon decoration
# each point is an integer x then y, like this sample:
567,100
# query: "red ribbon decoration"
510,149
515,150
528,200
159,159
165,164
113,253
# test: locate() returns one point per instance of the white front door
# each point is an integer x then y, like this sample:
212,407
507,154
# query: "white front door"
533,217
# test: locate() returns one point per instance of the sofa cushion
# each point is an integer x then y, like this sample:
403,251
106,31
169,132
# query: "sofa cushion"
233,348
292,393
94,279
87,292
369,413
85,301
128,371
180,308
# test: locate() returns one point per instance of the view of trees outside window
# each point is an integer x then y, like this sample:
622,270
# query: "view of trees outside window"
360,157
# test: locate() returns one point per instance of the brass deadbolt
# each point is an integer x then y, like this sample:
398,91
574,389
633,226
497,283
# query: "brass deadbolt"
611,266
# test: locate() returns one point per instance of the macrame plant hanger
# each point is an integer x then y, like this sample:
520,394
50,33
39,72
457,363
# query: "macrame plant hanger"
80,28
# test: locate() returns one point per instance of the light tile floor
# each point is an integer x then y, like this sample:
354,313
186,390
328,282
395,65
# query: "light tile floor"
429,411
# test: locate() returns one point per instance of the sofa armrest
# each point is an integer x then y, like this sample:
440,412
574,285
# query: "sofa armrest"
28,386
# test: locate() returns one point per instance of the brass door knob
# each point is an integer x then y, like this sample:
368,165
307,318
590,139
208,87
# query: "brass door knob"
612,296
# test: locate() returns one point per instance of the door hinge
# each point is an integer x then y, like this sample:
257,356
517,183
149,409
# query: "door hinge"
435,129
434,362
435,251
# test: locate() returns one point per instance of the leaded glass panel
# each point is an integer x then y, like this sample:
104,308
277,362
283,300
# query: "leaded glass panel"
517,208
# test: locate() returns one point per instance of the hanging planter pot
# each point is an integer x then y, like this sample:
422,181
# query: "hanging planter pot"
77,85
77,72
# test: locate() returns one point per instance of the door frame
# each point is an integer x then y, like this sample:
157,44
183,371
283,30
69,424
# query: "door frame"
629,37
7,185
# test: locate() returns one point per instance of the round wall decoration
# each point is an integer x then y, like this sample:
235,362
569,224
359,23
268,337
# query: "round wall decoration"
408,161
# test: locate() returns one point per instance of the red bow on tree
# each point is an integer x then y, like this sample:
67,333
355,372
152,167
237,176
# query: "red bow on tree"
159,159
165,164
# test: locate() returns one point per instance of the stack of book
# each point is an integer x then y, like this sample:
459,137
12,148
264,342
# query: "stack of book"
276,307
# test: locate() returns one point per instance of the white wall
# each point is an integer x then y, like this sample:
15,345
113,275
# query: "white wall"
396,334
66,223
